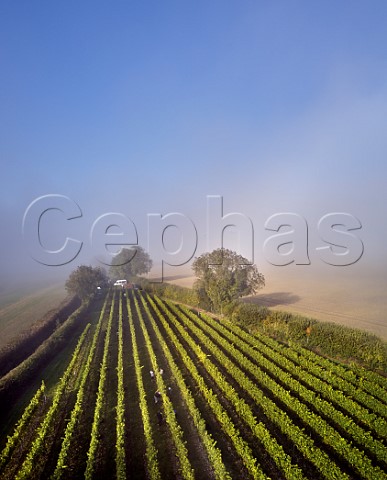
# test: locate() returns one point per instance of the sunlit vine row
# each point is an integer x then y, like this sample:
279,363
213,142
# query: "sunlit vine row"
21,424
78,407
355,457
151,451
371,400
214,454
361,436
240,445
120,408
357,376
186,469
42,432
94,441
279,417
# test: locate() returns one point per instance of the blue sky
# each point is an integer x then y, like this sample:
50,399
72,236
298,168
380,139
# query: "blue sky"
148,107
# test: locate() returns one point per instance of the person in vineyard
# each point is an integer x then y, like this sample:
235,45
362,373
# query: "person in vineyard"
160,417
152,375
157,396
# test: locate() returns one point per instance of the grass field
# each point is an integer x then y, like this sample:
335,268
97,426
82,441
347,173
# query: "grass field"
232,405
19,309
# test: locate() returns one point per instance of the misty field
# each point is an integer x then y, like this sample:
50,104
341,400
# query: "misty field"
230,405
356,300
21,308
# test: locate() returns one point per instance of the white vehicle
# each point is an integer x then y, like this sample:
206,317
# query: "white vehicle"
120,283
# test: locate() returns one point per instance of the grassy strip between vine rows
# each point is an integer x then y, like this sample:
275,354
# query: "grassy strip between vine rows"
27,467
151,451
279,417
360,435
27,414
374,400
77,409
185,469
214,454
240,445
283,460
94,442
120,408
371,381
355,457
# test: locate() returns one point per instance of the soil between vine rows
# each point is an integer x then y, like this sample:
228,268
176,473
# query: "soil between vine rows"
169,465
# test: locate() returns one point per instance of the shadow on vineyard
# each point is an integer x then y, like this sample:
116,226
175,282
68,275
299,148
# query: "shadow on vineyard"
220,402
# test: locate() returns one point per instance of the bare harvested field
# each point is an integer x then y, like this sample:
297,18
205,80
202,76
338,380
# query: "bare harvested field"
357,300
19,310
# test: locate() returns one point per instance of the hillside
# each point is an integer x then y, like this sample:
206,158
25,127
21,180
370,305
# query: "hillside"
21,308
231,405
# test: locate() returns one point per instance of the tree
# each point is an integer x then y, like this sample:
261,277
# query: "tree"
223,276
130,262
84,281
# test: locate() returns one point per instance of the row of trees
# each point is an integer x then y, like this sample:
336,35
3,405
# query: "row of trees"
222,276
128,264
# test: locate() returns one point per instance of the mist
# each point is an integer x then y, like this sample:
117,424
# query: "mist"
142,110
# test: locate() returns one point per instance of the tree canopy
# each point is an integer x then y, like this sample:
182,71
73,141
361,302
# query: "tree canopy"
130,262
223,276
84,281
